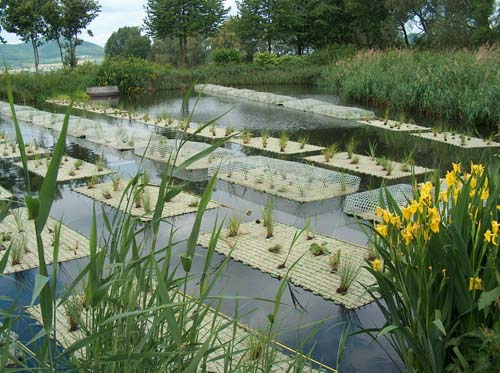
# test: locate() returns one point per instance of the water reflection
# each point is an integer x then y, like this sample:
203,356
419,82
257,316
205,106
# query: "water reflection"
316,324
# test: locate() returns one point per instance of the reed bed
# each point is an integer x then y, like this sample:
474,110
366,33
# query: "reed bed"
460,85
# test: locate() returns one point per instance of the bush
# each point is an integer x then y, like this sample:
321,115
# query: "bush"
265,59
224,56
131,75
330,54
438,273
289,60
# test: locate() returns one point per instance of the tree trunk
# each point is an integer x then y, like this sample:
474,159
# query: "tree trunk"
269,46
299,49
183,50
72,53
35,52
403,28
60,51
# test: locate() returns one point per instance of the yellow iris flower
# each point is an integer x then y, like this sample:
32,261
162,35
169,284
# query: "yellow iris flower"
494,226
485,194
473,183
382,230
477,169
451,178
407,234
396,221
443,196
491,237
475,283
457,167
435,224
377,265
406,213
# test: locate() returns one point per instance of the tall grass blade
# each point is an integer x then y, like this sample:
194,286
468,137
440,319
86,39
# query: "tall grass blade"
19,136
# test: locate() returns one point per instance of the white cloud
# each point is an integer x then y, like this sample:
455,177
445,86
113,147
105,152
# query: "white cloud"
115,14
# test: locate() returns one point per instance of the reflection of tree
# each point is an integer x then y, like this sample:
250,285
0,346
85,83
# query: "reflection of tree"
77,151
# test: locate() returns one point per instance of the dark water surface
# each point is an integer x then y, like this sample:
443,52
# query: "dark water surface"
316,327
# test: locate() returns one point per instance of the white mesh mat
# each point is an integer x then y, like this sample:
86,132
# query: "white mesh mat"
265,97
364,204
118,137
307,105
292,180
4,194
164,150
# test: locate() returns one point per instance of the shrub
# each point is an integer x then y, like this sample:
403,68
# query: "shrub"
330,54
289,60
131,75
224,56
265,59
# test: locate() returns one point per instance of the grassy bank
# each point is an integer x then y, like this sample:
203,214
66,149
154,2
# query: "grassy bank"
462,85
28,87
136,76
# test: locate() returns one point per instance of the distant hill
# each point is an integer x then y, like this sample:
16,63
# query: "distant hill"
17,55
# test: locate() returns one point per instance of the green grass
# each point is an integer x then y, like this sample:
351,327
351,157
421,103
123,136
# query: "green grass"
28,87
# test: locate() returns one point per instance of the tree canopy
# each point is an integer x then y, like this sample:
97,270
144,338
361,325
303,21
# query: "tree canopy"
182,19
75,16
25,19
128,42
38,21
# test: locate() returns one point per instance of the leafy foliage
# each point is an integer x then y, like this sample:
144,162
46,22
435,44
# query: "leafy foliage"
131,75
128,42
223,56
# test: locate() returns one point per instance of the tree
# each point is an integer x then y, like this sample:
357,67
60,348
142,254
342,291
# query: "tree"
483,29
166,51
2,8
52,13
371,23
447,23
303,24
227,35
76,15
293,23
128,42
183,19
257,23
25,19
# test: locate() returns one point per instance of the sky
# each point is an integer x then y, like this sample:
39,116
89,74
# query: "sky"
114,14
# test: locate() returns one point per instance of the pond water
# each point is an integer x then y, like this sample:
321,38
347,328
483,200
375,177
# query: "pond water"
316,325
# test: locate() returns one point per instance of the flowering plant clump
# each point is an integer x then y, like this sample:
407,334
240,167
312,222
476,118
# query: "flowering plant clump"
437,266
